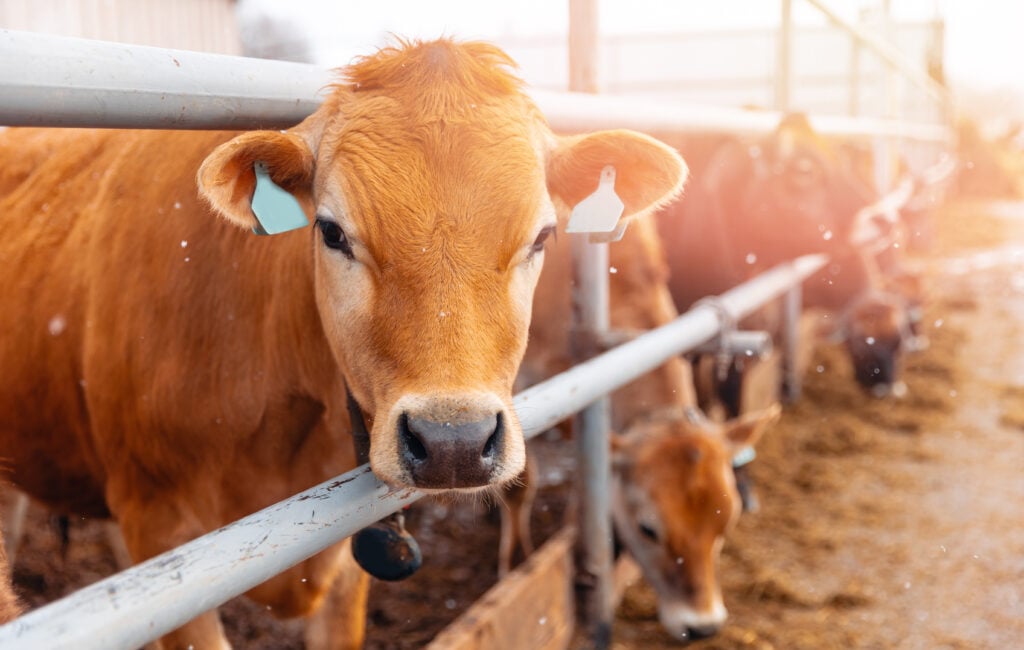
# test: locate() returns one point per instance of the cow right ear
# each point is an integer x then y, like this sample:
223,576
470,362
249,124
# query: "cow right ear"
228,176
648,173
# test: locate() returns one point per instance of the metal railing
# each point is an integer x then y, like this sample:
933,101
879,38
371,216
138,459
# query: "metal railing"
73,82
66,82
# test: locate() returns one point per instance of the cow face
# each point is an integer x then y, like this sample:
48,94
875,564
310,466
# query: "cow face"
797,199
432,183
673,500
875,333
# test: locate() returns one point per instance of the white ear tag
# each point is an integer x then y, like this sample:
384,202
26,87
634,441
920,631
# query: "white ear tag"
599,212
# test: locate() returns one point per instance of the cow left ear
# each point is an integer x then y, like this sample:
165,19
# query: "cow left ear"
747,429
227,178
648,174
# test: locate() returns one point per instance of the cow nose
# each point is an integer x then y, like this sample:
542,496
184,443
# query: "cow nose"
444,455
697,632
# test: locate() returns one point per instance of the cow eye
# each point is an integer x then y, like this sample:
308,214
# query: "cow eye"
542,237
648,532
334,236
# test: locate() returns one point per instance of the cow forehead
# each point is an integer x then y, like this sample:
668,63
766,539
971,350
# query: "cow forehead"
682,457
436,141
438,181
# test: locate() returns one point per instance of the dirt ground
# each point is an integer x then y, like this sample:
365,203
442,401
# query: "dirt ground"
884,524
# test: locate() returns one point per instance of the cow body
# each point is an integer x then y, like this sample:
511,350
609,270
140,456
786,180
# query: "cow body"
176,371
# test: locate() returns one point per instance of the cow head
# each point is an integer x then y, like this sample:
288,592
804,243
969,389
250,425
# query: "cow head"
431,181
876,332
793,197
674,498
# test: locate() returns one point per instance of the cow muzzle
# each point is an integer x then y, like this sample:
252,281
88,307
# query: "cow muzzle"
686,624
456,442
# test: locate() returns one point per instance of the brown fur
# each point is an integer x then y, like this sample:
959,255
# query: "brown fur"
10,608
172,369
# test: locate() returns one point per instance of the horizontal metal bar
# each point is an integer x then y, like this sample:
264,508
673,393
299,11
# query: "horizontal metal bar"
146,601
58,81
577,112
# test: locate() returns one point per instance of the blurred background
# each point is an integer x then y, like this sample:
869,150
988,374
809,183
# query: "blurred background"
722,53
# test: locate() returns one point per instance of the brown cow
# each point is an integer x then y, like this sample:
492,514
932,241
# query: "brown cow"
674,494
172,369
755,205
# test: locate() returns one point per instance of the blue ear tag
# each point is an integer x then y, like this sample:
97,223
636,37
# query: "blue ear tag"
276,210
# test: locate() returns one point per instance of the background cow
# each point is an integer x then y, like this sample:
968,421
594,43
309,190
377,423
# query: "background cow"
754,205
686,511
175,371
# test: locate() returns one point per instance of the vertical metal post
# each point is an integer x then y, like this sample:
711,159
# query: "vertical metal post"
792,302
583,46
594,587
784,60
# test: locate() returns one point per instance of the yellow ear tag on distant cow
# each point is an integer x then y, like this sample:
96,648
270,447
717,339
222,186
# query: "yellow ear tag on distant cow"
599,212
276,210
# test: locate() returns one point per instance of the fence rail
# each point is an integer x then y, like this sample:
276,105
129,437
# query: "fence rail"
71,82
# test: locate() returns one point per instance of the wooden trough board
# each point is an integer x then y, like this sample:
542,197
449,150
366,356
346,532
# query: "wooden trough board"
532,607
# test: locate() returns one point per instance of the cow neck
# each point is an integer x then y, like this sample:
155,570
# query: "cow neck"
360,435
296,316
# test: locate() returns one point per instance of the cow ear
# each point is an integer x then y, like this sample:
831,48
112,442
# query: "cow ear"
227,178
747,429
648,174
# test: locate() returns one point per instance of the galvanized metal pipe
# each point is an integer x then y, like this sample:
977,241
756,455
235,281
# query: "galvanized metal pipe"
63,82
146,601
594,582
59,81
594,565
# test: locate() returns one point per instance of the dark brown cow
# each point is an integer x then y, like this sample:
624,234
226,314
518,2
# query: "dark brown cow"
172,369
755,205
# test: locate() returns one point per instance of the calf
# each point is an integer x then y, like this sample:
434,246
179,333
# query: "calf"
688,509
174,370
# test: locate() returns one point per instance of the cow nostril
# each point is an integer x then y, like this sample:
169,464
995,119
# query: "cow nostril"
702,632
412,442
494,441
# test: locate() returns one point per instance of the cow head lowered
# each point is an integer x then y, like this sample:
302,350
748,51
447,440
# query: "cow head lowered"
674,499
432,181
